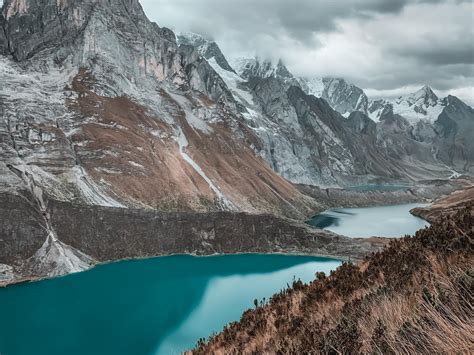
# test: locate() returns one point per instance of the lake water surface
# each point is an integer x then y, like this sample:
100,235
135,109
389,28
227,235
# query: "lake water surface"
383,221
154,306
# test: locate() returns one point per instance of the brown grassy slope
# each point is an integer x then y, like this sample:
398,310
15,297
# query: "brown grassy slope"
416,296
135,154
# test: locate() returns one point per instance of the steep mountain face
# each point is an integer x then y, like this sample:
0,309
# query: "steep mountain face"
455,129
3,38
341,95
252,68
346,153
303,138
362,124
435,130
102,106
396,136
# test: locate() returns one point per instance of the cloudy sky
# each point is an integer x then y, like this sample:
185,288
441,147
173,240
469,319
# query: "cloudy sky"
388,47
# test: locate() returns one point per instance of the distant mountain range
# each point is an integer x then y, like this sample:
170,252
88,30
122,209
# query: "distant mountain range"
415,137
101,106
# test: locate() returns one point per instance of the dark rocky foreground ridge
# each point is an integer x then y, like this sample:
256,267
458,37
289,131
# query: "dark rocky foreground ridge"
415,297
87,235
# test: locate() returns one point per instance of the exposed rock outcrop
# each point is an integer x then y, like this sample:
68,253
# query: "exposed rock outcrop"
455,129
343,97
206,48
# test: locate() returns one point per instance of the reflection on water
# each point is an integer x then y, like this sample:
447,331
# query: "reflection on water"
386,221
161,305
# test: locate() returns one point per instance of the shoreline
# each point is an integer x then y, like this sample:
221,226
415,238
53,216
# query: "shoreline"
106,263
341,248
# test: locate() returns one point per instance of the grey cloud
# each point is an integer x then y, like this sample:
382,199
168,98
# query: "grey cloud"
442,57
299,18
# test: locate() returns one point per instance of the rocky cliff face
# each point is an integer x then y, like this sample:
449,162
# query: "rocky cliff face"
362,124
341,95
454,131
427,128
206,48
87,235
340,151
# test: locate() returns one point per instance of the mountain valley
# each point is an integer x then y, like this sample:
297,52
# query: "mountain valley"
121,139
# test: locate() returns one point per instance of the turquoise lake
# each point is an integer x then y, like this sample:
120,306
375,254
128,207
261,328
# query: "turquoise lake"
154,306
382,221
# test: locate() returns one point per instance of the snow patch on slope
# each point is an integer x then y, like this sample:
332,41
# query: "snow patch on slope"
233,82
183,143
90,191
54,258
312,86
195,118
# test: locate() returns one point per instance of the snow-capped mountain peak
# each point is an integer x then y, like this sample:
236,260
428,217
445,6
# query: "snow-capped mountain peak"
341,95
425,97
422,105
261,68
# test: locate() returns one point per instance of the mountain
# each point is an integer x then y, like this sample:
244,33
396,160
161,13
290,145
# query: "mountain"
303,139
407,151
249,68
102,106
342,96
440,127
362,124
454,131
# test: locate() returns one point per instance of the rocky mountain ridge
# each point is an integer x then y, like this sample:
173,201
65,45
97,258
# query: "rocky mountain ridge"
413,147
343,97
